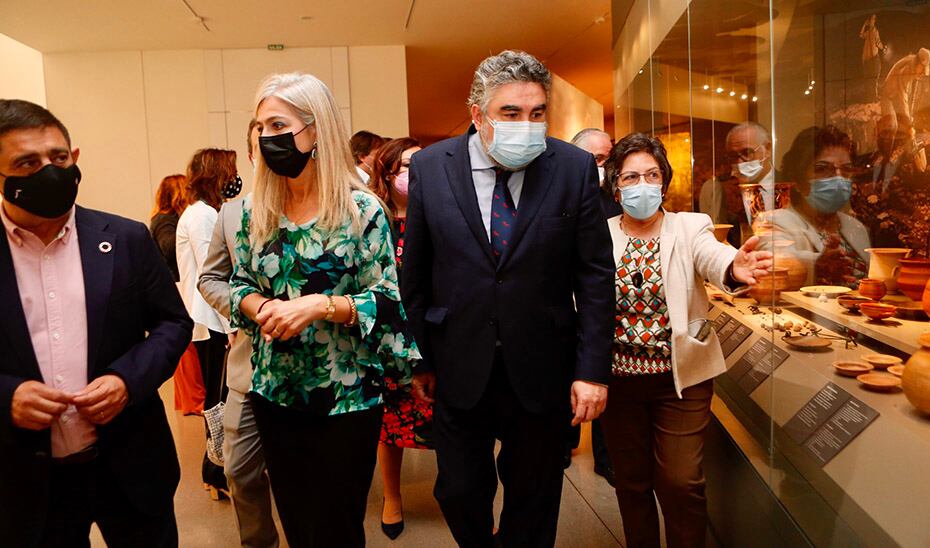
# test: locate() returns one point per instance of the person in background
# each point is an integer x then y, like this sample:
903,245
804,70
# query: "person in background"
665,353
170,201
244,459
212,178
315,288
507,280
749,151
408,420
92,325
598,143
830,242
364,144
900,86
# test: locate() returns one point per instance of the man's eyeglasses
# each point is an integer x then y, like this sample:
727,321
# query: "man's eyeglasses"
822,170
629,178
743,155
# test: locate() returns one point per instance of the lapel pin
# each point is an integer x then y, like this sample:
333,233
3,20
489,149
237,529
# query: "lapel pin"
105,247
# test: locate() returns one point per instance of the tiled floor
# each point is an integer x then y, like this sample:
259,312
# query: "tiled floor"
589,516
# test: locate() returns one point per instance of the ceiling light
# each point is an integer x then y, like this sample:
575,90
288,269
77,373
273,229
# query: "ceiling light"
706,87
813,82
807,92
719,90
732,93
755,99
641,71
744,97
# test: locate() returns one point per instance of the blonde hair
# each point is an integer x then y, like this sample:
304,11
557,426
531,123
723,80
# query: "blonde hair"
335,169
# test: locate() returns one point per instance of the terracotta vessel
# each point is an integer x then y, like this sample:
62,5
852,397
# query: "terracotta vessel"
913,277
720,232
769,287
916,377
883,264
872,288
754,202
785,258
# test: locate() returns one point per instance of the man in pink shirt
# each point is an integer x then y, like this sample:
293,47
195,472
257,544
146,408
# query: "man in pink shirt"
92,325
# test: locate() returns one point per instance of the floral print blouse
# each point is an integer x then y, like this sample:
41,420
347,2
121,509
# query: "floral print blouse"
329,368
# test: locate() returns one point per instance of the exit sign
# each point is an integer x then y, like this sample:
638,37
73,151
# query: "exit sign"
275,47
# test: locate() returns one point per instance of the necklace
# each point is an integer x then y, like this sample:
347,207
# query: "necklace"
637,276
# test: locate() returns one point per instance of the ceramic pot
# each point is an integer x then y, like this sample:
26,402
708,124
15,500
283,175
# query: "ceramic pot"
720,232
872,288
913,276
916,378
785,258
769,287
883,264
755,203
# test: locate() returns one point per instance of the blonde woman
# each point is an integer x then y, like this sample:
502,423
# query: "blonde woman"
315,285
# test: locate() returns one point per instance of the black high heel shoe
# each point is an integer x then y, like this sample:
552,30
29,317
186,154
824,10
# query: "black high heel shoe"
391,530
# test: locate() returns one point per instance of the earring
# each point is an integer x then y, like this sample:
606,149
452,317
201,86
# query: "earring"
314,152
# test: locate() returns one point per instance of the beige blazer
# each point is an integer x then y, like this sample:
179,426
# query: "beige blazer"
213,284
689,254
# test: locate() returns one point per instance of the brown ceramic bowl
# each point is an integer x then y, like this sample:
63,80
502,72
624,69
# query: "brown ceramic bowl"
896,370
877,311
852,303
879,382
881,361
872,288
851,368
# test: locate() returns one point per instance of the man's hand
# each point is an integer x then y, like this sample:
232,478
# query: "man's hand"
424,385
750,263
103,399
36,406
588,401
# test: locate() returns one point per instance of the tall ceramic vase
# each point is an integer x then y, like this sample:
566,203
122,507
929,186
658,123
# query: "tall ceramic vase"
913,277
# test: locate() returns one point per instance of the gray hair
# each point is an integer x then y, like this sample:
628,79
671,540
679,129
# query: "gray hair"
583,135
507,67
763,134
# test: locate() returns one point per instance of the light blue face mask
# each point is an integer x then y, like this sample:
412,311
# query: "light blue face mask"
830,194
641,201
516,144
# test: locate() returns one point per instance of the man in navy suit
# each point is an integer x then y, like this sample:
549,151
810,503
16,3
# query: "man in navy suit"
504,227
92,325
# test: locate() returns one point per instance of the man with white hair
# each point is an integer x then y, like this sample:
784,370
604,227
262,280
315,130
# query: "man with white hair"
504,227
749,152
598,143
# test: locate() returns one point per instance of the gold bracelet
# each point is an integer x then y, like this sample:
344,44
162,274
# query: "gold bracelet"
330,308
353,312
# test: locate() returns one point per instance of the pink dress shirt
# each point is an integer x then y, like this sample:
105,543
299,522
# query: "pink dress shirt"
51,288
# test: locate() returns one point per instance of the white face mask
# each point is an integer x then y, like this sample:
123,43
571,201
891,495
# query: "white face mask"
750,170
600,174
516,144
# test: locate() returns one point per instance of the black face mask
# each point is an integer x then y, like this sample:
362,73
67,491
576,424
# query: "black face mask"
282,155
232,188
49,192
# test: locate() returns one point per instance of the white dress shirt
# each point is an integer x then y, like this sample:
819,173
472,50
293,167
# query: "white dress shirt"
484,178
195,230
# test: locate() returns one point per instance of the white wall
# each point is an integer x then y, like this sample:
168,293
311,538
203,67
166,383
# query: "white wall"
139,116
21,74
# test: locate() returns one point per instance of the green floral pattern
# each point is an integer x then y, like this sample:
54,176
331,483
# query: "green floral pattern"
329,368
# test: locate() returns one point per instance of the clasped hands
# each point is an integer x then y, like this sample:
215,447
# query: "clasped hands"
284,320
36,406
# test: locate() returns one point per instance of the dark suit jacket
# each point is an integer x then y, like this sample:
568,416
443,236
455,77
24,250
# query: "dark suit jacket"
137,328
460,301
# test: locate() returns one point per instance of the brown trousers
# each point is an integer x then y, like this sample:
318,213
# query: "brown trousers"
656,442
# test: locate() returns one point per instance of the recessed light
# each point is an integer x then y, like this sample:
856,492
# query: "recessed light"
744,97
706,86
719,90
732,93
807,92
755,99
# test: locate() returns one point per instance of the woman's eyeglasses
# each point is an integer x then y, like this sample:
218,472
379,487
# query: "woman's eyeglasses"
629,178
822,170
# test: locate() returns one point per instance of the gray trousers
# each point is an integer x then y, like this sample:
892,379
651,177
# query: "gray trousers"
249,487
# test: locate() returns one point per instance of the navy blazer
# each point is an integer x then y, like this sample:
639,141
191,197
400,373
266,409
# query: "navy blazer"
460,301
137,328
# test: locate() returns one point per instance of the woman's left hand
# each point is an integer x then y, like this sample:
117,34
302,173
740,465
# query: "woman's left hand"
750,263
286,319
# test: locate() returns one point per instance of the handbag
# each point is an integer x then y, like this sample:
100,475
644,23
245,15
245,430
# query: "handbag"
214,419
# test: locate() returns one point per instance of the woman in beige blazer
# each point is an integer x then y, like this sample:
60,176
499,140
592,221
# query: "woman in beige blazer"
665,353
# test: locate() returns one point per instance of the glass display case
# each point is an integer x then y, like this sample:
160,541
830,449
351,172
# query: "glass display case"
804,123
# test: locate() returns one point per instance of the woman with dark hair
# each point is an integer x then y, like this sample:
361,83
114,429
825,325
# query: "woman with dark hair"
831,243
407,419
211,179
170,202
665,353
